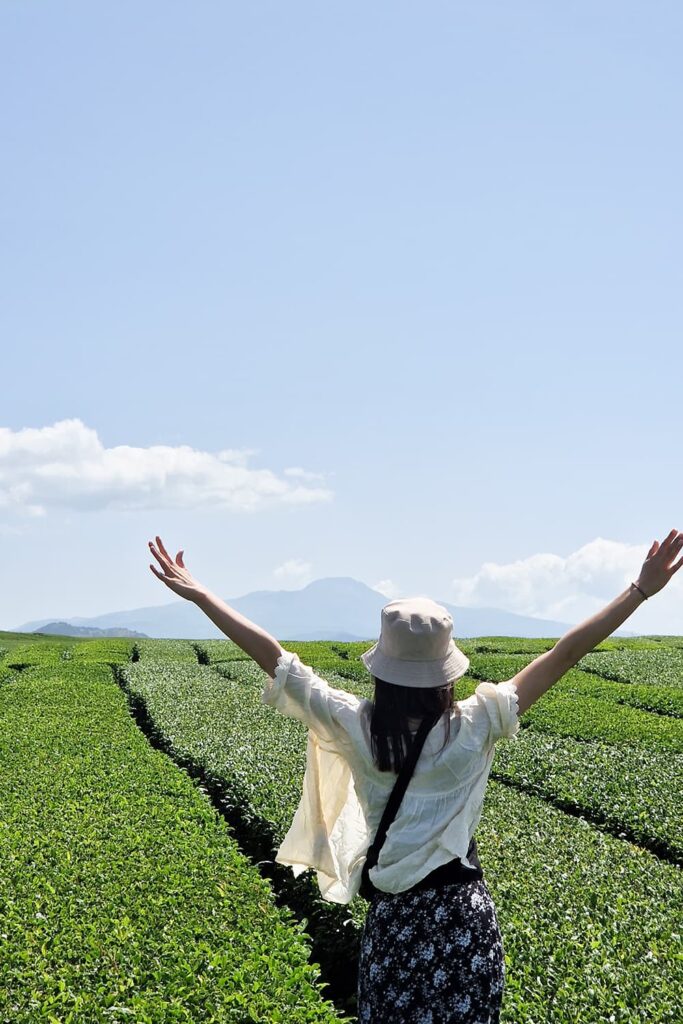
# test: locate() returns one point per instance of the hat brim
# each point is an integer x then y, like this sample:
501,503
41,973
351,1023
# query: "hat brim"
420,674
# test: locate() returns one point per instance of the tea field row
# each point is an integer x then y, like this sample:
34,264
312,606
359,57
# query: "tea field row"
590,902
123,895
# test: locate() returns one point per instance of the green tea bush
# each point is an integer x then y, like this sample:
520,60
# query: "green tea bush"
665,640
635,793
169,651
589,923
108,650
331,654
537,645
10,642
46,652
613,712
662,700
123,895
209,652
504,645
563,713
252,762
663,667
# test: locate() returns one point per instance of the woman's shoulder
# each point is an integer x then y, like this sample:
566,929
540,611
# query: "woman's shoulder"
491,712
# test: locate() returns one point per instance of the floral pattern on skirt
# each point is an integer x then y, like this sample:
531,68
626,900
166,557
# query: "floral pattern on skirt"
432,956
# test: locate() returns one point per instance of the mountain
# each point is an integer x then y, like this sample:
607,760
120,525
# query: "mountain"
66,629
336,608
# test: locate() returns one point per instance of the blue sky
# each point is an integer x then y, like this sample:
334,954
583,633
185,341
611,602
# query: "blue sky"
388,290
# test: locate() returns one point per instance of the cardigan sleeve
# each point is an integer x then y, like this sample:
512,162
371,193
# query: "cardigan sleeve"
297,692
492,712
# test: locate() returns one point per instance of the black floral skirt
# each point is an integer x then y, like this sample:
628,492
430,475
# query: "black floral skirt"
433,956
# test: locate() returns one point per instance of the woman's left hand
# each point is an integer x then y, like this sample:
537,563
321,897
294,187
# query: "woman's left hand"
175,575
659,566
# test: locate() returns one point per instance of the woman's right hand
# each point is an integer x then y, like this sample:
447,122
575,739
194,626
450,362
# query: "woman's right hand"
659,566
175,575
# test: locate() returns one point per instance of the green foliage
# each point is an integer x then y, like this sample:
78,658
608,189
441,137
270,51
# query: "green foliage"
588,921
123,895
8,638
45,652
252,759
210,652
589,707
563,713
633,792
537,645
333,655
591,924
504,645
169,651
157,913
663,700
663,667
108,650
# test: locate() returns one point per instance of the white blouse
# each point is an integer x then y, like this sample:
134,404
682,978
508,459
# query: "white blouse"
344,793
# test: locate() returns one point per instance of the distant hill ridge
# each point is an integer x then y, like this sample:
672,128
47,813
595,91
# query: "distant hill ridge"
66,629
335,608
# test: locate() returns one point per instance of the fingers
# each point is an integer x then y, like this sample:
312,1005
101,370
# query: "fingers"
661,548
664,549
674,549
676,546
163,549
167,564
160,559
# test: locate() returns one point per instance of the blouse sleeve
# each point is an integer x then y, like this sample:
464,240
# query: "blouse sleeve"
297,692
492,711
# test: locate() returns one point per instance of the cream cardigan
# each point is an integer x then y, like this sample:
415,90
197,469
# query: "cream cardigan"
344,794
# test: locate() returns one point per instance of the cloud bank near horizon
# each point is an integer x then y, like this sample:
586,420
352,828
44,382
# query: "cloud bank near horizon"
65,465
550,586
543,586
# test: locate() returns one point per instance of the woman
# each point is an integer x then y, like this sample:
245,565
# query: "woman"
431,949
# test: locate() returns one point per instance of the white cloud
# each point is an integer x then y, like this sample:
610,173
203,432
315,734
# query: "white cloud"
552,587
294,569
388,588
237,455
303,474
66,465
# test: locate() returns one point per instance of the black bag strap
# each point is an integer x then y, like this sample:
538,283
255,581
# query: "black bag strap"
398,792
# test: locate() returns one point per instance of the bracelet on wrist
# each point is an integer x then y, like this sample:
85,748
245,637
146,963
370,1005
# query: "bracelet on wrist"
634,584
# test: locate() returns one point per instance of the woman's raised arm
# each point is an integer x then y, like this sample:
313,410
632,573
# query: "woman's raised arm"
256,642
658,568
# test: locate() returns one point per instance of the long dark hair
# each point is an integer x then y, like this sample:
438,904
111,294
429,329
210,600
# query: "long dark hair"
392,707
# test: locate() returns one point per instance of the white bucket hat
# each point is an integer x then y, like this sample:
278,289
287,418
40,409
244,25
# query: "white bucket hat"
415,646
